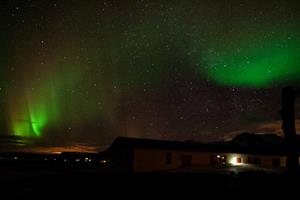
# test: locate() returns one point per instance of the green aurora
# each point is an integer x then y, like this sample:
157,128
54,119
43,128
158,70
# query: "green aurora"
76,68
71,84
37,107
257,62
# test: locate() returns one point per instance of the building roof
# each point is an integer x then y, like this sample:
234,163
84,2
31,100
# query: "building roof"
247,143
128,143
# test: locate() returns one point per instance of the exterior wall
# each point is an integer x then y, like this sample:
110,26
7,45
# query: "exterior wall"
265,161
268,161
121,159
198,158
146,160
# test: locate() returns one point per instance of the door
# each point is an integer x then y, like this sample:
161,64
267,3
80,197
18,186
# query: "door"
186,160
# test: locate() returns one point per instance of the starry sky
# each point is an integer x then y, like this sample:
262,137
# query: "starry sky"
84,72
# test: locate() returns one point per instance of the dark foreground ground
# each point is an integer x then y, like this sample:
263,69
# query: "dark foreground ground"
72,183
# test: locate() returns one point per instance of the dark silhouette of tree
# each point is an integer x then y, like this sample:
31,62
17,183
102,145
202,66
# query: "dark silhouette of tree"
287,113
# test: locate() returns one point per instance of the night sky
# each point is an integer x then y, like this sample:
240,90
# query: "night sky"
75,72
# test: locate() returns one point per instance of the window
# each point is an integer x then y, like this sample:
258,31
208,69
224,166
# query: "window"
218,159
169,158
250,160
214,159
239,160
186,160
256,160
224,160
276,162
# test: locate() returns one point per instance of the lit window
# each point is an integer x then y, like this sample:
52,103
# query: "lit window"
235,160
101,161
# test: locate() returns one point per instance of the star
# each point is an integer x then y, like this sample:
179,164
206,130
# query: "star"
92,70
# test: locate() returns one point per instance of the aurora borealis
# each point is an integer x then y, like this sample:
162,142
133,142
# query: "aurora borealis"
88,71
260,63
